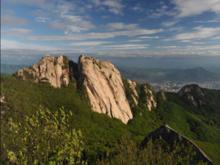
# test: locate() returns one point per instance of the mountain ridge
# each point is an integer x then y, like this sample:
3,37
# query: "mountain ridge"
101,80
199,124
170,135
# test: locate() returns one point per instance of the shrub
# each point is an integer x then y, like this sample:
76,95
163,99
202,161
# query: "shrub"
155,152
45,137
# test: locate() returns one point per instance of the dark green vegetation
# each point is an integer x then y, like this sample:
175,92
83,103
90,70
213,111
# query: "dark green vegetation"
106,140
154,152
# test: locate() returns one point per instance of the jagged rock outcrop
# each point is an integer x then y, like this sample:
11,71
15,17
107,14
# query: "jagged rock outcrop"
141,94
171,137
104,87
193,95
132,85
50,69
149,100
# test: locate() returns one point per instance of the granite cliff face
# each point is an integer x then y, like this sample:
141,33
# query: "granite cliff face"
149,98
101,80
104,87
50,69
141,94
134,96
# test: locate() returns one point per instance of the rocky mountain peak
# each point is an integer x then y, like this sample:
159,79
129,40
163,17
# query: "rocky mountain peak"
150,100
140,94
104,87
101,80
134,96
50,69
193,95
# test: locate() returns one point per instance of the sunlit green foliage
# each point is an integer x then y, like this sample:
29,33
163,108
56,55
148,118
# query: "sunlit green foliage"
43,137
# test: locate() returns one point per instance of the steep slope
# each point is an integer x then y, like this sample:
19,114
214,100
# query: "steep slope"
102,133
105,89
24,98
102,81
140,95
202,101
172,138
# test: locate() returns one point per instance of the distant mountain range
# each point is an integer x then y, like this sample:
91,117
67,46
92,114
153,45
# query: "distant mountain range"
10,68
197,74
157,75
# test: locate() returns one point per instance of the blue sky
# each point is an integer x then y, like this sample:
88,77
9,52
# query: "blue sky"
112,27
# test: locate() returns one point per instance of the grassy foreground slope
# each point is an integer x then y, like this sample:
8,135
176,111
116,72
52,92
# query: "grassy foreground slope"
99,131
101,134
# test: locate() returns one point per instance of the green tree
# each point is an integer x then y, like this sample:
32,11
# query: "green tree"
155,152
42,138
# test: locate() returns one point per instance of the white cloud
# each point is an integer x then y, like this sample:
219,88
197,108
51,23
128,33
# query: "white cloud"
124,46
71,24
170,50
137,8
185,8
135,40
97,35
175,28
121,26
196,7
119,50
168,47
68,17
42,19
149,37
198,33
12,20
215,20
17,32
163,10
169,24
114,6
103,45
89,43
38,3
193,49
12,44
